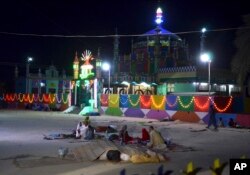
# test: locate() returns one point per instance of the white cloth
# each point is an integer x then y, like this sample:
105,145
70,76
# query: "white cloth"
82,129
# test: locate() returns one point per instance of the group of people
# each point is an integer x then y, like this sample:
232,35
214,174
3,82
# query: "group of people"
85,130
151,138
213,121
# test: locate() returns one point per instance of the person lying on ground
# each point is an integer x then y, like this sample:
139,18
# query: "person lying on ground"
55,136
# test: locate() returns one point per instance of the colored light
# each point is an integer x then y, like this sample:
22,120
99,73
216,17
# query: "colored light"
159,105
134,104
226,107
202,106
185,105
145,103
158,19
125,101
115,101
173,104
104,102
86,68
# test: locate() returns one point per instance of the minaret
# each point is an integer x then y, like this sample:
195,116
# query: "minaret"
116,52
76,67
98,65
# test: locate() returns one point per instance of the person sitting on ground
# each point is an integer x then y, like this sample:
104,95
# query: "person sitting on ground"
90,133
232,123
112,133
156,140
81,129
87,119
145,138
124,136
220,123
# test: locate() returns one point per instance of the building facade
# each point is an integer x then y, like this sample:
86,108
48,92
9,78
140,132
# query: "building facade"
159,57
51,81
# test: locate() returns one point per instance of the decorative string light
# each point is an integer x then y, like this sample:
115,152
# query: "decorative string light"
172,105
31,98
52,98
57,98
114,101
126,99
145,103
13,97
26,98
103,101
45,98
7,97
185,106
158,106
132,103
20,98
36,97
202,106
224,109
65,101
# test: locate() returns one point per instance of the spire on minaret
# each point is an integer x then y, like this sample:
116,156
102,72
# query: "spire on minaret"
158,18
76,67
76,57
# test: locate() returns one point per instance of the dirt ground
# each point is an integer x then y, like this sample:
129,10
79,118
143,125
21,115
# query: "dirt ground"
23,151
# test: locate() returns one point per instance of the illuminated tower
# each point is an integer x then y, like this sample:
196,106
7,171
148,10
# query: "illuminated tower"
86,68
98,65
76,67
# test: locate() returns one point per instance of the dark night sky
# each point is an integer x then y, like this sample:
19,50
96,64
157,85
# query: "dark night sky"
82,17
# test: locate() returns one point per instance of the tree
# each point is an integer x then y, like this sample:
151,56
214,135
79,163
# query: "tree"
241,61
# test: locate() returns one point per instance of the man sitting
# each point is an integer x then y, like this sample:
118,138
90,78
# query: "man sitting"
156,140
